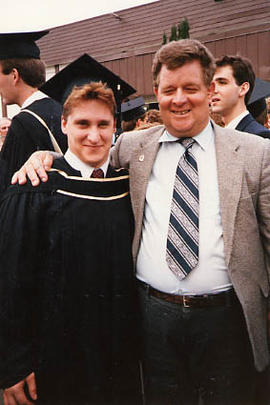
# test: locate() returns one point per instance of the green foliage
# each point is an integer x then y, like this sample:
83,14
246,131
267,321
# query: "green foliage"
181,31
173,36
164,39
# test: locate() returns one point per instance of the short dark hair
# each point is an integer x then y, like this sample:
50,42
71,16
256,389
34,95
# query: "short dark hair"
176,53
89,91
242,71
129,125
32,71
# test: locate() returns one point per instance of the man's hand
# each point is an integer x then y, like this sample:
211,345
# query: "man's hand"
35,168
15,395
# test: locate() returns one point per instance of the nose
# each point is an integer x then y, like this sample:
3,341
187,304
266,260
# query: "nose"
179,97
93,135
215,87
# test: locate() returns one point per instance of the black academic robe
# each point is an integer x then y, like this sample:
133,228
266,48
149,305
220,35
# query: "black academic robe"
26,135
67,305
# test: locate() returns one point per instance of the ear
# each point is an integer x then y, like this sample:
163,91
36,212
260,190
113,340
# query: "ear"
244,88
15,75
64,125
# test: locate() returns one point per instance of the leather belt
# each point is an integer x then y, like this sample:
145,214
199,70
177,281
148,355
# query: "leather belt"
226,298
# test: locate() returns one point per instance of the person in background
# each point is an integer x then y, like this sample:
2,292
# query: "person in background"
217,118
150,119
38,124
132,114
258,110
152,116
234,82
4,126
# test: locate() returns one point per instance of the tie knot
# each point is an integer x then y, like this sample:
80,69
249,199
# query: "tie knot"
187,142
97,174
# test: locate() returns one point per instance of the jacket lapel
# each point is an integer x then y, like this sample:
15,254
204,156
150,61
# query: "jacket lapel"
244,123
230,172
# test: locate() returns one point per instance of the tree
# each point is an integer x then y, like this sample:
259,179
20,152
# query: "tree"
174,33
181,31
164,39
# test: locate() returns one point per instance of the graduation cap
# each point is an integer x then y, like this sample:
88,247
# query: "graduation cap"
133,109
257,103
83,70
20,44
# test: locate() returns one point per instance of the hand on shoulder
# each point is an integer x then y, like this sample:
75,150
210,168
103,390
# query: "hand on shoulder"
34,168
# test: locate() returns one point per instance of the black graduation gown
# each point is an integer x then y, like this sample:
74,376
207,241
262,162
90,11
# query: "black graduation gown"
67,302
26,135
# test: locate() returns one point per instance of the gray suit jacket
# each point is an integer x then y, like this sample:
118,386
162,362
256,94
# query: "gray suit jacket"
243,165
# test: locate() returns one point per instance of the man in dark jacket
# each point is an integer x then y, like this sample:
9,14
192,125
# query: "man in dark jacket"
234,82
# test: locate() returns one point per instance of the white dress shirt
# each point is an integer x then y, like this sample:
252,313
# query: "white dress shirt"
233,124
85,169
211,274
37,95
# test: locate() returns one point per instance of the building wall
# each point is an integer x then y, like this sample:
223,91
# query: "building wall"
126,42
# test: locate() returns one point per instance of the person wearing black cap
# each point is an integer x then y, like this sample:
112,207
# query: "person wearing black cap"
258,110
234,82
257,103
132,113
68,331
38,125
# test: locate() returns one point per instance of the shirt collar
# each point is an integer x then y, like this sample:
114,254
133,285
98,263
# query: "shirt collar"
85,169
37,95
233,124
203,138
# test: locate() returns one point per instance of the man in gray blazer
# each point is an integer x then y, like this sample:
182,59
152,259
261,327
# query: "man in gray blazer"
201,199
204,331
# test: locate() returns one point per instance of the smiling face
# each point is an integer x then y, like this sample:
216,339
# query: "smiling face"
183,99
89,128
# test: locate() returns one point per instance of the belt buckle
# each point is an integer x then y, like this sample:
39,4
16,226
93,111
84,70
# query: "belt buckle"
185,303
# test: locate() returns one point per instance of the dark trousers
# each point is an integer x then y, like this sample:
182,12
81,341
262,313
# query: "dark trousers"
192,353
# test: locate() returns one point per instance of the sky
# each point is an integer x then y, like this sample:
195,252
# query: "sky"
32,15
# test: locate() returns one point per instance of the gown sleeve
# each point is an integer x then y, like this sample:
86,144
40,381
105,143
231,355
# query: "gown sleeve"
21,252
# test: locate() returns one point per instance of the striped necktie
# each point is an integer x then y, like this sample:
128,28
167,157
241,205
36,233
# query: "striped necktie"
183,235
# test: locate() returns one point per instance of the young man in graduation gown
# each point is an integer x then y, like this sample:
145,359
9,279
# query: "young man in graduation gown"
21,74
68,316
